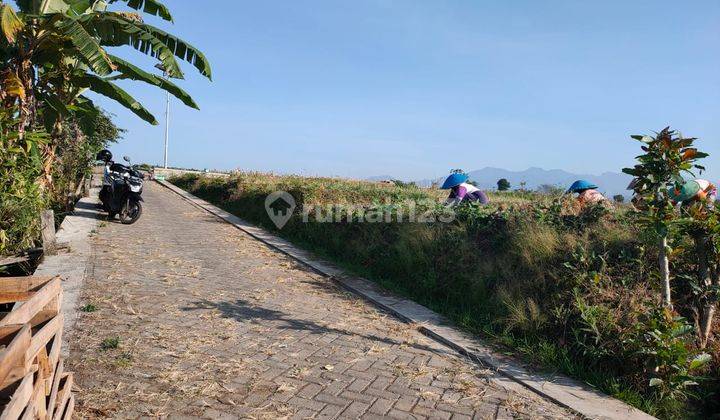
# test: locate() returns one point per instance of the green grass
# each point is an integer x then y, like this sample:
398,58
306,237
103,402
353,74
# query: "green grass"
123,360
89,308
110,343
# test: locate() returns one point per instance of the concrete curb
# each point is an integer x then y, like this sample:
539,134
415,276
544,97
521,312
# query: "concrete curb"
72,264
574,395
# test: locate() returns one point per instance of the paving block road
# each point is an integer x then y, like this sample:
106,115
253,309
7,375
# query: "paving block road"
185,316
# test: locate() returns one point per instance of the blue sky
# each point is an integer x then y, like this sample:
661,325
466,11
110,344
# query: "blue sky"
414,88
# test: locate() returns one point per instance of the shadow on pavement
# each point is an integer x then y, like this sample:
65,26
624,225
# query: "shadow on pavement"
86,214
241,311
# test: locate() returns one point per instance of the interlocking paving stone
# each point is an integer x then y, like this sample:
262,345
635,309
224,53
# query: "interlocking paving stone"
214,324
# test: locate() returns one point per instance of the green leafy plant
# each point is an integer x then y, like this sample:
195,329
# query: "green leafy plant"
89,308
76,149
667,156
701,222
110,343
523,315
21,199
670,364
124,360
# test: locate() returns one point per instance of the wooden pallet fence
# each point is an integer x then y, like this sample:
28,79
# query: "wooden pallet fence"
33,382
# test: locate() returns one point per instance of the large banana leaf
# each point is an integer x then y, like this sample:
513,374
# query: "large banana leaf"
79,7
41,7
10,24
90,50
151,7
70,51
112,91
183,50
55,107
86,113
132,72
54,101
114,30
54,6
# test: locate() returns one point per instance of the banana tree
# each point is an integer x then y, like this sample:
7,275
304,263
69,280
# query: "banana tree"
53,51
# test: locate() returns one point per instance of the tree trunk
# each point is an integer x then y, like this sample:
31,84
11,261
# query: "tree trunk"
27,105
705,308
46,182
709,308
665,272
50,155
706,323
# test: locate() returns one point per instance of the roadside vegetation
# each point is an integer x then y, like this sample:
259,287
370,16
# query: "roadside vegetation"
52,54
579,291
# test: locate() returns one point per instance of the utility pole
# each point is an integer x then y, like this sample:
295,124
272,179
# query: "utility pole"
167,127
167,116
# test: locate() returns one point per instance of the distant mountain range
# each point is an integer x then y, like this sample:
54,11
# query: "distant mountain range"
610,183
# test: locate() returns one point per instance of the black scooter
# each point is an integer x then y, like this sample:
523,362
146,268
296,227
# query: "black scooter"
121,191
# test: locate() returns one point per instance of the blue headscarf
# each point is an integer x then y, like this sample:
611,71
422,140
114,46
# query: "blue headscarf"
453,181
581,185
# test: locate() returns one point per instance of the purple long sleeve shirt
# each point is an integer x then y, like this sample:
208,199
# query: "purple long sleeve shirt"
467,192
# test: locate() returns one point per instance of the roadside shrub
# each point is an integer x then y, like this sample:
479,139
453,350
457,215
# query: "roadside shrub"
22,197
535,244
524,315
21,200
671,366
76,149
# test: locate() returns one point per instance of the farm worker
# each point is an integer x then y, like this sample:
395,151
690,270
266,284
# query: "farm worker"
587,192
694,190
636,201
462,191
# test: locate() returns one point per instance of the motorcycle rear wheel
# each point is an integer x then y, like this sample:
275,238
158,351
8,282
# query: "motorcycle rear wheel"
132,214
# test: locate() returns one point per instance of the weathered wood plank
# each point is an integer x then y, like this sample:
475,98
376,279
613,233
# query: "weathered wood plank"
19,400
63,395
47,221
54,354
53,358
43,337
23,283
70,408
25,312
45,389
30,410
18,373
44,368
19,289
59,370
14,357
13,260
15,297
8,332
37,401
49,311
